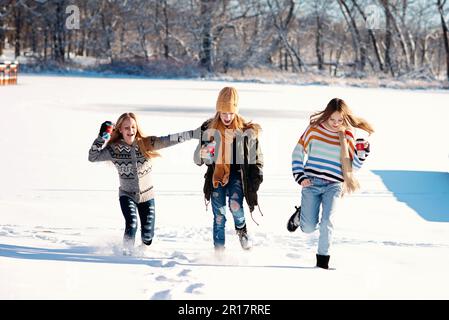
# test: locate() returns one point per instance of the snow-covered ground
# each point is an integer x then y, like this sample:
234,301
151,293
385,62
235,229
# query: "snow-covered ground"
61,225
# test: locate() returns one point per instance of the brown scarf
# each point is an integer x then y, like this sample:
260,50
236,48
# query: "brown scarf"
224,153
350,183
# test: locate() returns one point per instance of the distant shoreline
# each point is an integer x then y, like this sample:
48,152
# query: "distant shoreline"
301,79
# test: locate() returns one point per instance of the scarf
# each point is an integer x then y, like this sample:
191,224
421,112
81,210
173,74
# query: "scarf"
223,149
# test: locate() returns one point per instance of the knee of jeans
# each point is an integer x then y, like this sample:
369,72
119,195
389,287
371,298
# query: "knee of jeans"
234,206
219,219
307,228
132,224
217,200
235,202
326,224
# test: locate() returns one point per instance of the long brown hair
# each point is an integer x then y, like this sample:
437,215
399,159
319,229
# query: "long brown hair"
349,119
142,141
238,123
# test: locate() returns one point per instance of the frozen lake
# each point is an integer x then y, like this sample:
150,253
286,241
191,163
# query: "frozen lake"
61,225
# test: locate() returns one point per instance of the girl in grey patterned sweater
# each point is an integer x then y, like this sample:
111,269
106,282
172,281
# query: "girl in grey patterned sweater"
131,153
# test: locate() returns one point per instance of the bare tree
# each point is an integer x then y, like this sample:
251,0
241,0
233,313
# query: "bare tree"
59,31
440,5
389,8
372,37
318,11
206,12
166,29
282,25
388,42
18,28
359,45
224,35
5,12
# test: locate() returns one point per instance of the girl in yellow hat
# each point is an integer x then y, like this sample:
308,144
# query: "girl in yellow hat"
230,149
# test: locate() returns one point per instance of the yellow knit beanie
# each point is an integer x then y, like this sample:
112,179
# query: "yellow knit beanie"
227,100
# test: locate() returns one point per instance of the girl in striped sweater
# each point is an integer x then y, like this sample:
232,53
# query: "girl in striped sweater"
322,163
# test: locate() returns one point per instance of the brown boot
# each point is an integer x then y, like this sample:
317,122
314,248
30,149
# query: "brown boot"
245,242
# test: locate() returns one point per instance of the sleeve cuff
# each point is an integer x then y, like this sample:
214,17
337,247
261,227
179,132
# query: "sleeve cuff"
299,177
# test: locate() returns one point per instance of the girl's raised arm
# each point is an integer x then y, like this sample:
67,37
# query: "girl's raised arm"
96,151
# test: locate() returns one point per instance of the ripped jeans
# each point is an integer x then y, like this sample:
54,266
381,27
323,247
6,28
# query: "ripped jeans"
234,190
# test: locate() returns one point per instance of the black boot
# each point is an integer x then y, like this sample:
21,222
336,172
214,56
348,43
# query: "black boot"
322,261
293,222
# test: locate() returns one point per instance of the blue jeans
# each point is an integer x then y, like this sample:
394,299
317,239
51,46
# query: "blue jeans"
147,216
234,190
321,192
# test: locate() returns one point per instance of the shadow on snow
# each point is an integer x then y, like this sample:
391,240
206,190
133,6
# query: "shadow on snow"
87,254
426,192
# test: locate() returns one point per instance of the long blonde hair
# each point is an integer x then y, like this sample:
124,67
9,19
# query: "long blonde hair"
350,183
349,119
238,123
142,141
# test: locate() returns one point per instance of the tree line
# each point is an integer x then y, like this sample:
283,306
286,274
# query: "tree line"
336,37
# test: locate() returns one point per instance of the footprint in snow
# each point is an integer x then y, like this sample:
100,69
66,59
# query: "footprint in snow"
184,273
294,255
162,295
192,288
169,264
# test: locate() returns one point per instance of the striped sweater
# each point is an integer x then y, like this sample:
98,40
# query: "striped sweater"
317,154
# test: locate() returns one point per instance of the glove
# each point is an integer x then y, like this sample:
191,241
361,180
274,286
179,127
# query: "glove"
252,200
106,130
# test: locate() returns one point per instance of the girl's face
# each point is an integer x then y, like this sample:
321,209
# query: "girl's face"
227,118
128,129
335,121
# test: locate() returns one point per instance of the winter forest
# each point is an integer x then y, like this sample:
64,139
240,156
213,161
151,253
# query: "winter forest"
398,39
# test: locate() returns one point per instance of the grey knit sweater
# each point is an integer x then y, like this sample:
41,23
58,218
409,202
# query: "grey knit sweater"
133,168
